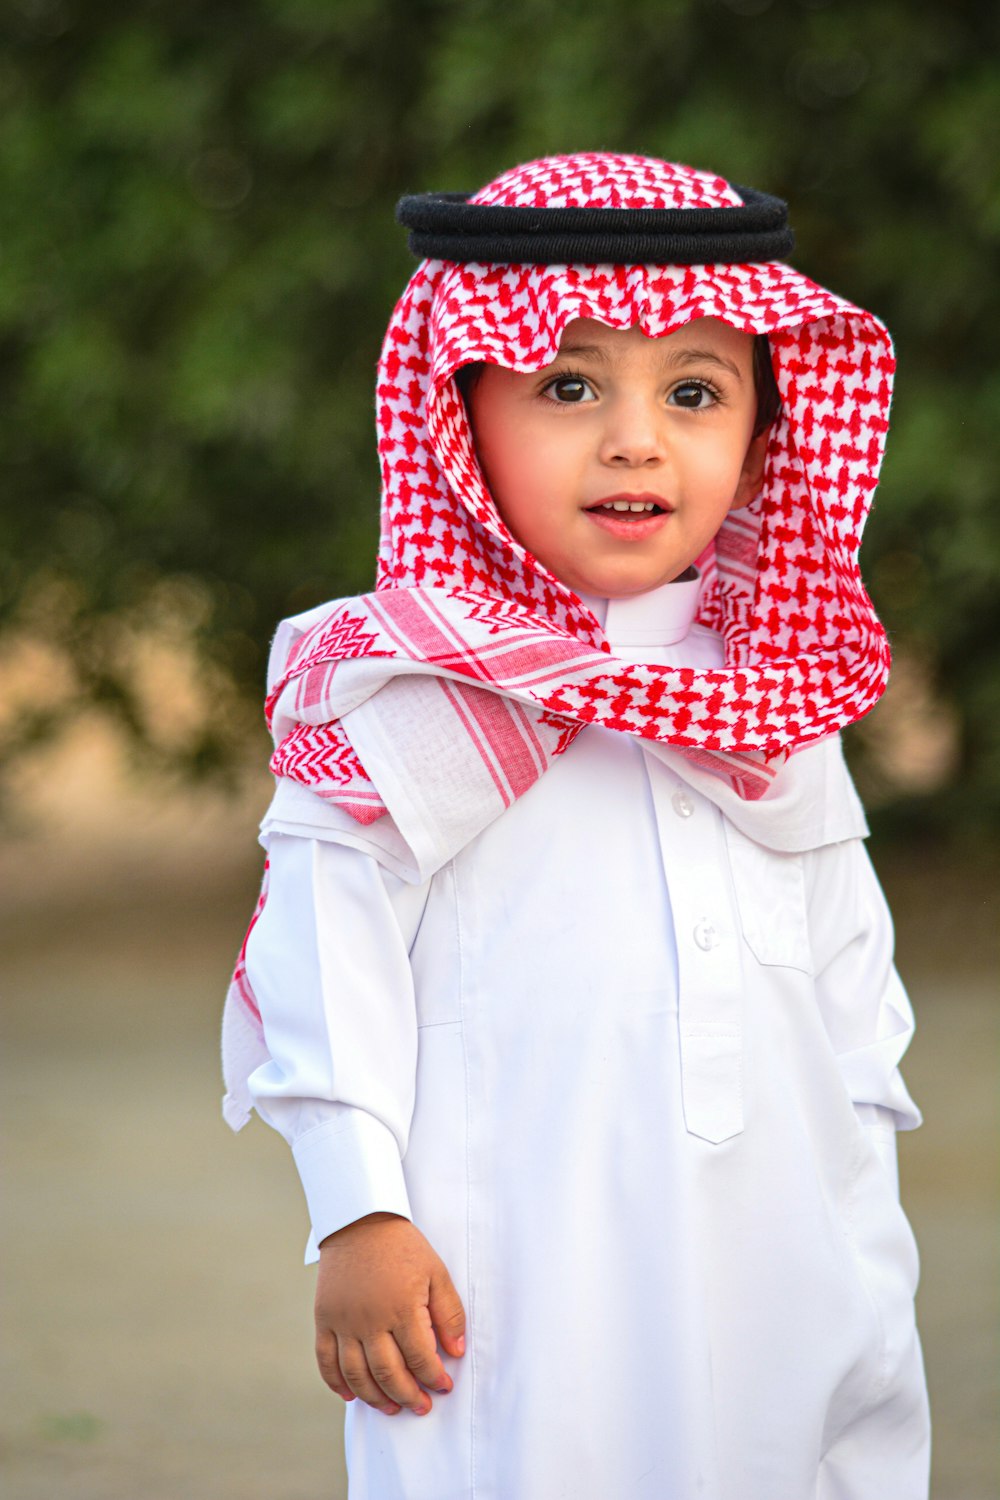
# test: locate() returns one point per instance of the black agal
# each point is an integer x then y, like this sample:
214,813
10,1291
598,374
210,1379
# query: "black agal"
446,226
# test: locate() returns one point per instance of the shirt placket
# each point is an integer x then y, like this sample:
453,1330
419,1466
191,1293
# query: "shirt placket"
710,978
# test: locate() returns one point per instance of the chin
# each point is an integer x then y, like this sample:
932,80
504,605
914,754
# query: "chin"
623,582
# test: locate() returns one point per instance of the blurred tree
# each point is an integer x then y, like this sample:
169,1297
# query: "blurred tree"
198,260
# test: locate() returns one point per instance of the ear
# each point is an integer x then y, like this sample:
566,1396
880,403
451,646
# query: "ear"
752,474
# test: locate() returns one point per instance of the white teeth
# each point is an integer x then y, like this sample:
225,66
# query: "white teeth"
642,505
633,505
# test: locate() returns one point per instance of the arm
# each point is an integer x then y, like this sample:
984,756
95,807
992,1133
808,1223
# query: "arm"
328,962
864,1006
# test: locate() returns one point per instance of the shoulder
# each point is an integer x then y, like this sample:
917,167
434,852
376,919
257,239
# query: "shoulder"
290,631
299,812
811,802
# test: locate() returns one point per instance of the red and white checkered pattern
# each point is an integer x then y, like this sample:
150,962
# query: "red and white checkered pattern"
458,597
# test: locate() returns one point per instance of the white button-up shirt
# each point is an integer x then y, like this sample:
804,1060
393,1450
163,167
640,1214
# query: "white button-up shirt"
636,1078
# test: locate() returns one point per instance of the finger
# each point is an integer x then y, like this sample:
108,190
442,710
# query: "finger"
329,1365
419,1350
447,1312
390,1373
354,1365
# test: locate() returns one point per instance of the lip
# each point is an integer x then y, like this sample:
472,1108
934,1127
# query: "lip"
635,530
646,497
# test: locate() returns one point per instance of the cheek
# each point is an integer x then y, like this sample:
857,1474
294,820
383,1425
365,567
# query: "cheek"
510,482
714,470
524,469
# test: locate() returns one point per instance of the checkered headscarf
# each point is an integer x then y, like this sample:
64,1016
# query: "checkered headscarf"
516,653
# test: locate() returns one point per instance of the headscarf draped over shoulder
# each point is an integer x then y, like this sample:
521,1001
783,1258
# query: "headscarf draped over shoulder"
470,666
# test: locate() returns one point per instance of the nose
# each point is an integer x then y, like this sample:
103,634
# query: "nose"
633,436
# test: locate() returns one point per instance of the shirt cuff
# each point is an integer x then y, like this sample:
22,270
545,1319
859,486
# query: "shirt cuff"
349,1170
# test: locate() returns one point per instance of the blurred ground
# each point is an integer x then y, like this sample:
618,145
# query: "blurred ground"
157,1322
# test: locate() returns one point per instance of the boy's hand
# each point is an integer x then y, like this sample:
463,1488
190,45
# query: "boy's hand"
381,1296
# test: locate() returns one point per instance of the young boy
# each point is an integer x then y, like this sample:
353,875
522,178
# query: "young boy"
573,989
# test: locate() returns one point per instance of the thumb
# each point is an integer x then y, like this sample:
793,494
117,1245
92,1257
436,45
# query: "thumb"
446,1310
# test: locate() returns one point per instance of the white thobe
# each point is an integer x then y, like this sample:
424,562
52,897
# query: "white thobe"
636,1079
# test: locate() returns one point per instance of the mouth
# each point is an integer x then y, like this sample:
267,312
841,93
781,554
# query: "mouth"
624,506
630,518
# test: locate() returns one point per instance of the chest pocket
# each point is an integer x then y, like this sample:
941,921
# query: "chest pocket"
771,900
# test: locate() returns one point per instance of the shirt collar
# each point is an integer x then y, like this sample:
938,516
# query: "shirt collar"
659,617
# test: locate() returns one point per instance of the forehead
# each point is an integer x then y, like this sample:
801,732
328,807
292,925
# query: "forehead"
586,338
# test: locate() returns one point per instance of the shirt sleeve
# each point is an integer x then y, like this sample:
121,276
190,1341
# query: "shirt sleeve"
864,1006
328,961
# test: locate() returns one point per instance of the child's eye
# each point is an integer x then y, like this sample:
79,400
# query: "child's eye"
693,395
569,390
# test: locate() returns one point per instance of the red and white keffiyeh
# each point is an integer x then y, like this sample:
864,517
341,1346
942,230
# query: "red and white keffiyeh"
444,694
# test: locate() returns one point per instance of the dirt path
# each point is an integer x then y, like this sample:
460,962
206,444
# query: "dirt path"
158,1325
157,1338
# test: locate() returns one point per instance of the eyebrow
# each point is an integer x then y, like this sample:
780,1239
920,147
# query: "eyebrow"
673,360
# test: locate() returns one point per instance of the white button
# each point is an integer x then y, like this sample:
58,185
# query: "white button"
682,804
706,936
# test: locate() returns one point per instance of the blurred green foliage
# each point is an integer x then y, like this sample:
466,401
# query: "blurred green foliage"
198,259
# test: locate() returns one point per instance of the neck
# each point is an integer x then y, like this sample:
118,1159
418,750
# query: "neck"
658,617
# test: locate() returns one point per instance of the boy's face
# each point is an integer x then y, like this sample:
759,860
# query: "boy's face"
663,423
